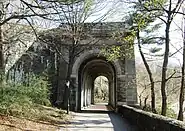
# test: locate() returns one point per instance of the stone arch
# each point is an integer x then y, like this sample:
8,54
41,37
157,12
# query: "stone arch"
86,55
88,71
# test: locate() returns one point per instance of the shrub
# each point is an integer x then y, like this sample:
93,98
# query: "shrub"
38,91
169,112
19,99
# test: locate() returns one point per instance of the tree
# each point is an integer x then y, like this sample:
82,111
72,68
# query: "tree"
170,10
72,16
139,21
142,21
149,74
181,97
15,12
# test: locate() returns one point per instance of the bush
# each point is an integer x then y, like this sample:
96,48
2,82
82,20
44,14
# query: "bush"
19,99
38,91
169,112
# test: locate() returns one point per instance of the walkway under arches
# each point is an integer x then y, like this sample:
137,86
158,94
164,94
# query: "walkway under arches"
120,73
89,70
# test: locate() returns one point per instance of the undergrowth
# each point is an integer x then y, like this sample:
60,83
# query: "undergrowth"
24,100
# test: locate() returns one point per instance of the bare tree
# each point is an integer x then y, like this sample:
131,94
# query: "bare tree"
149,73
181,97
170,9
18,11
142,24
72,17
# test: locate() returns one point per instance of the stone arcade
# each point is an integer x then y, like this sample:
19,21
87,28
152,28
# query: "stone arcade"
88,65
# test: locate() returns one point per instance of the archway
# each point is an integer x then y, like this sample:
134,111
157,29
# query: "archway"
89,70
101,90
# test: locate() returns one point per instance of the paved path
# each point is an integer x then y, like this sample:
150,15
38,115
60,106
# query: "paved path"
107,121
102,107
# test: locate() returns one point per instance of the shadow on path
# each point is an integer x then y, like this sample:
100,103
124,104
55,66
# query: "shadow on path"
120,124
105,121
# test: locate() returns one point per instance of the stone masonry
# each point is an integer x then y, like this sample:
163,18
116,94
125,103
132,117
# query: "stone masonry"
88,65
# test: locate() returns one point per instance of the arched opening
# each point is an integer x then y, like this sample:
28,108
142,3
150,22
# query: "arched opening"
101,90
89,70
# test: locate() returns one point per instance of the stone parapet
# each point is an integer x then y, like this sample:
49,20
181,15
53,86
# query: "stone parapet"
147,121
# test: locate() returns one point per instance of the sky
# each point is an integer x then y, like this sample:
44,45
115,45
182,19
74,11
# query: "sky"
176,32
176,40
121,9
118,11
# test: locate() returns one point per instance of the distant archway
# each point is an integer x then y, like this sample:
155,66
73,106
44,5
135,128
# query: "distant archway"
101,90
89,70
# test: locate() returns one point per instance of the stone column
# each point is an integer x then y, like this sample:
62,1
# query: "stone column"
121,90
92,92
131,89
61,83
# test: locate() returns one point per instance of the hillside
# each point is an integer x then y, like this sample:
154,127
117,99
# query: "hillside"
51,119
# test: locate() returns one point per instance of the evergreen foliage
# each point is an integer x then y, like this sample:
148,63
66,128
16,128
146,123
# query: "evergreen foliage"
22,100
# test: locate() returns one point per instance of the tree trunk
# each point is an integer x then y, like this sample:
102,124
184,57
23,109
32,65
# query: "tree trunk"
69,72
149,74
181,97
70,65
164,69
1,56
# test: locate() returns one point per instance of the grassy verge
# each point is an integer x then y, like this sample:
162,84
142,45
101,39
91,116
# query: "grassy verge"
27,107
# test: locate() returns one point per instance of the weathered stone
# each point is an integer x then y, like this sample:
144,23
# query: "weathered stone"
88,65
146,121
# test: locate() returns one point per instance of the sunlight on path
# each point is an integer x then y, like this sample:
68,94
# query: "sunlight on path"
107,121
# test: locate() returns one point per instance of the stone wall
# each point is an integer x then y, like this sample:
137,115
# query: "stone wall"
147,121
43,59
